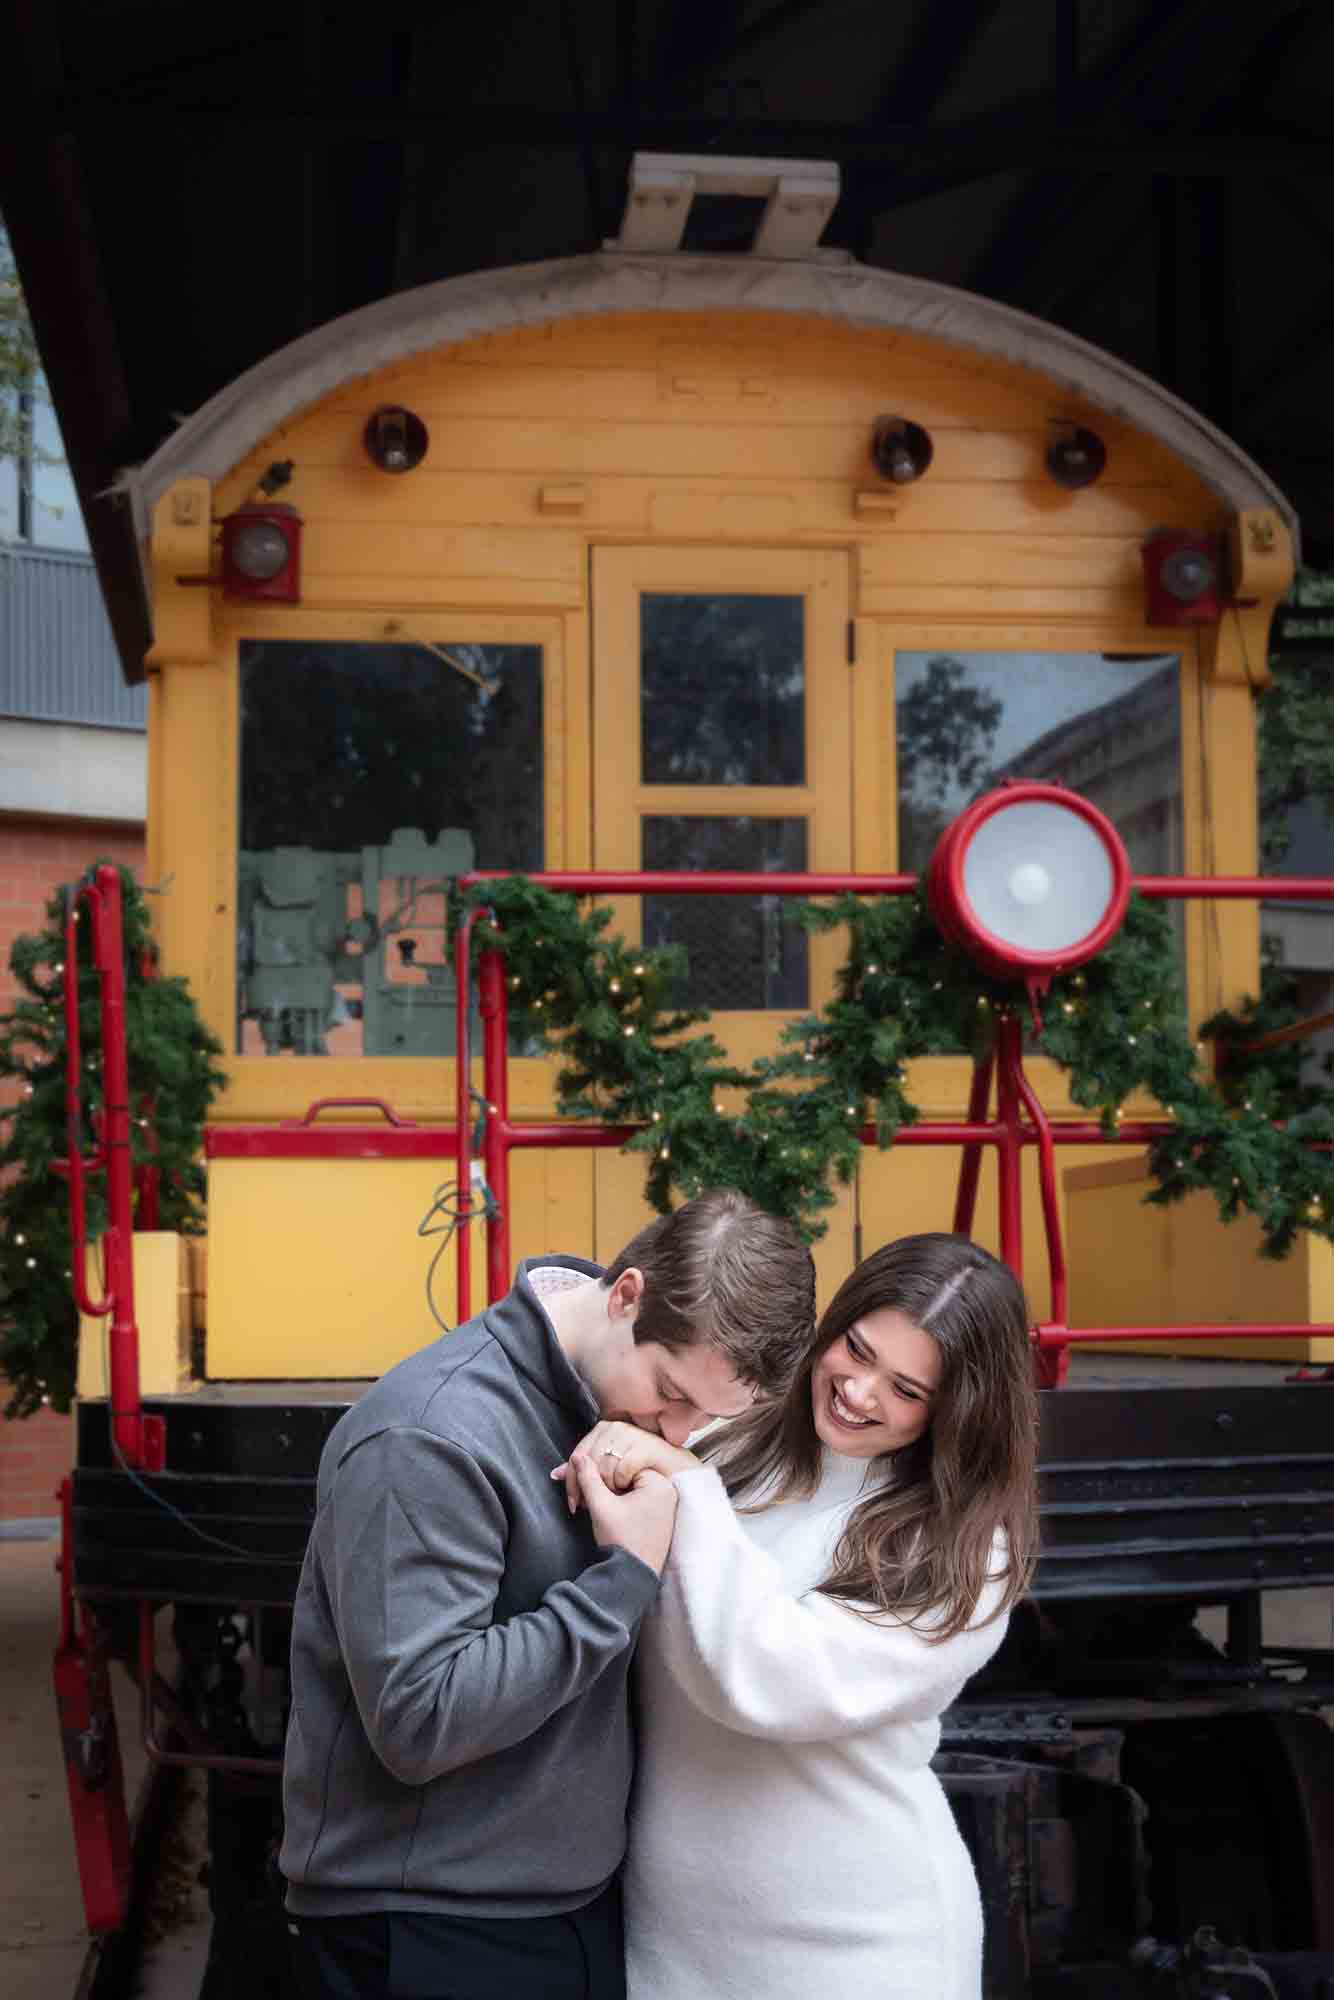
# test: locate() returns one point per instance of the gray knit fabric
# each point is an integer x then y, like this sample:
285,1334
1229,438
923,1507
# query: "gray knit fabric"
460,1738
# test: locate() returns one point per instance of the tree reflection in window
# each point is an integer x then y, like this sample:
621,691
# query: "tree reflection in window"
723,689
1106,725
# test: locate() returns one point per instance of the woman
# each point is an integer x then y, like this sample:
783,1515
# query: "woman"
788,1839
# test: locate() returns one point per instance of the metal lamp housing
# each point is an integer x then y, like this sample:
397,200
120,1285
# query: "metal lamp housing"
901,451
395,439
1029,880
1076,457
261,553
1183,579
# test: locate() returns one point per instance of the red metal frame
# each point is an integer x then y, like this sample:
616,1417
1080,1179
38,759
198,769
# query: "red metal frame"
1020,1119
91,1745
139,1440
87,1720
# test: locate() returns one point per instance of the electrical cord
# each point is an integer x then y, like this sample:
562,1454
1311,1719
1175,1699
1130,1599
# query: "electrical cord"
447,1202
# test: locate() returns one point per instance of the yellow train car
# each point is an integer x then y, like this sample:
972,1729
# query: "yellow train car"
646,601
655,560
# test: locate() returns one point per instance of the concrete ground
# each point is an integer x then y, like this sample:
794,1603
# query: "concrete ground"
42,1937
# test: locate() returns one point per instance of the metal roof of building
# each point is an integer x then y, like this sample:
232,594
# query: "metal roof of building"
58,659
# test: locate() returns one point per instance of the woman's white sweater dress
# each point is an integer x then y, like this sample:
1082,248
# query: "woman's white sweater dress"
787,1839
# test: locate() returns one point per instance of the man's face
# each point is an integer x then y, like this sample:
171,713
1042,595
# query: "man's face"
670,1390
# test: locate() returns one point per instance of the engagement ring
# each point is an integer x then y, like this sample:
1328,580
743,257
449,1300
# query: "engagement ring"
609,1451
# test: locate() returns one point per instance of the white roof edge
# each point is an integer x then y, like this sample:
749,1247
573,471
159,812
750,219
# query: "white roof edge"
830,286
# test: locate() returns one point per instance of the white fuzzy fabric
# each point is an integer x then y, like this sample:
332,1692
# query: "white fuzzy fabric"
788,1840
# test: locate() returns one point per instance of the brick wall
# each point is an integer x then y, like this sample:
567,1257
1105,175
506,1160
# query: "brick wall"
35,857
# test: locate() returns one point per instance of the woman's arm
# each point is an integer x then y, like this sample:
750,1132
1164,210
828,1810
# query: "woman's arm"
799,1670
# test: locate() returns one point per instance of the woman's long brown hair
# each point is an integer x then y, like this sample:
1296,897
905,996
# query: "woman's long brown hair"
924,1542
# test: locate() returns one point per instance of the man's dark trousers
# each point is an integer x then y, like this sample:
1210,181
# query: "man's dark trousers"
407,1955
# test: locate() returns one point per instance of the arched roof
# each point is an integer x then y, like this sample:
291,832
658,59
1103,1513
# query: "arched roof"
830,285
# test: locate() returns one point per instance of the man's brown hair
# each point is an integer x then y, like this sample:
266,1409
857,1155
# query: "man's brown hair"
724,1272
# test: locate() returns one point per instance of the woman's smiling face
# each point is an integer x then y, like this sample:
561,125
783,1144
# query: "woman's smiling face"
873,1388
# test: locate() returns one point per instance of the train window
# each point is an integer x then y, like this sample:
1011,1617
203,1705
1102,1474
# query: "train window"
722,689
744,951
1107,725
369,776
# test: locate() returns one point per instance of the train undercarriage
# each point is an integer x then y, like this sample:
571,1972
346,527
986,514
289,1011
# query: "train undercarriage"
1149,1805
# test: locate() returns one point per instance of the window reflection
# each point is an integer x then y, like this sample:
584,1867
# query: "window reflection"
723,689
371,775
1108,727
744,951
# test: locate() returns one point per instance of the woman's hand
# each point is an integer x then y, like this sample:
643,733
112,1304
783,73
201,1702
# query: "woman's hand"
619,1454
640,1521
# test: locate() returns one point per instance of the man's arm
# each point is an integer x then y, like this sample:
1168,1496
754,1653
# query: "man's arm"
414,1552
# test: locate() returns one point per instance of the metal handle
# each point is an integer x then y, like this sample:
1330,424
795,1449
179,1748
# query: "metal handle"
348,1104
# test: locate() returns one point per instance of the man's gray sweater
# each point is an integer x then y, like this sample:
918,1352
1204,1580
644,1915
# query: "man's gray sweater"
460,1737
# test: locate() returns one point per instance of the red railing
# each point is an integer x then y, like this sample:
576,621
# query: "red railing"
1019,1121
137,1439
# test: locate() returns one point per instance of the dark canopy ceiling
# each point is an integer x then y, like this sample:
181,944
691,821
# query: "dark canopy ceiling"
187,188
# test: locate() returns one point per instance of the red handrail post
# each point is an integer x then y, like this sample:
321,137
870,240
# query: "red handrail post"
979,1094
1009,1142
463,1110
109,958
138,1440
496,1131
77,1162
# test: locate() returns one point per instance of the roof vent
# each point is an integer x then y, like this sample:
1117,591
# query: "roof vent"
799,197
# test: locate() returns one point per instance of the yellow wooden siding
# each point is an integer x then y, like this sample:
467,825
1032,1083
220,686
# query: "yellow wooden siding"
316,1268
1139,1264
731,432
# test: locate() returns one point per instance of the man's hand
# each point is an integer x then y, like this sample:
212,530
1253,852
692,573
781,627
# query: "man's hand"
640,1521
618,1453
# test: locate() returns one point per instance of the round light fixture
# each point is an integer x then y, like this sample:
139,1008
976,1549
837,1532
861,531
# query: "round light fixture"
1188,574
395,439
1076,457
1184,578
1029,880
900,451
259,550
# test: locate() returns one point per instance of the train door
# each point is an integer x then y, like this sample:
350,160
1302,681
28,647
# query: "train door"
723,739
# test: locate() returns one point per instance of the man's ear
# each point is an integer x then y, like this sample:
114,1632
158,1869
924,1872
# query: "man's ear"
625,1295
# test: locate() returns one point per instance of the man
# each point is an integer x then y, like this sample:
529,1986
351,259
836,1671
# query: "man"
459,1755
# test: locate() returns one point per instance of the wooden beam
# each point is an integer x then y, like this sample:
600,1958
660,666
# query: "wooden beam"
1181,67
1018,141
908,93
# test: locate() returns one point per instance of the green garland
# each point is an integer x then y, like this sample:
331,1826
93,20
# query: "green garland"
172,1070
786,1130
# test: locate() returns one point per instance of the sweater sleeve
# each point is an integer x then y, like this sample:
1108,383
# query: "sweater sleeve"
413,1554
796,1669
